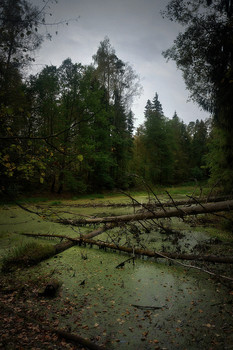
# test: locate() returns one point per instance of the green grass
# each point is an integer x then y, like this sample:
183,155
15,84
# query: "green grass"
174,191
56,203
177,190
26,255
90,196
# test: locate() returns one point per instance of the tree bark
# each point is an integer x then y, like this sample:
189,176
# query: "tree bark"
174,212
59,248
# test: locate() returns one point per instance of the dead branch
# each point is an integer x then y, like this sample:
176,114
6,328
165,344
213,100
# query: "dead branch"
211,190
174,203
197,268
149,208
141,307
154,194
122,264
218,215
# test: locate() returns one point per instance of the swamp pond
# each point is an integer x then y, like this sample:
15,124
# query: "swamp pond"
146,304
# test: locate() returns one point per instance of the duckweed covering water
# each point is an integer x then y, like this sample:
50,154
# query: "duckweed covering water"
146,305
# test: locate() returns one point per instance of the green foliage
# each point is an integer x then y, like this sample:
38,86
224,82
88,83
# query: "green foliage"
156,105
227,225
155,138
26,255
167,151
197,173
203,52
220,158
73,184
32,200
19,38
180,148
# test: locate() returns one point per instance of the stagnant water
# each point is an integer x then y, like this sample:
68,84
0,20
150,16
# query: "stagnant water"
146,305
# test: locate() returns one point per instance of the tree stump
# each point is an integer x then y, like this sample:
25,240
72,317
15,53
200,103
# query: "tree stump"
50,290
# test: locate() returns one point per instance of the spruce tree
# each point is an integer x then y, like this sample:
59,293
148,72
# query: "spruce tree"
156,105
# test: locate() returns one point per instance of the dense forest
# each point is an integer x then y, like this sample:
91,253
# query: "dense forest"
71,128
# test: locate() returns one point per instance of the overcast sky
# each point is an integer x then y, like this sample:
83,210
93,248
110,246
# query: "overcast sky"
137,32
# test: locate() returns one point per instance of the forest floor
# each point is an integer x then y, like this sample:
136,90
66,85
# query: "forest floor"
151,304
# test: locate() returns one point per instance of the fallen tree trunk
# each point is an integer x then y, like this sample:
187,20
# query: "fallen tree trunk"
140,252
59,248
100,230
175,212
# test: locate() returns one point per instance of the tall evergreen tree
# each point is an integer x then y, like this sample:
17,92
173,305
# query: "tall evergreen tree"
156,139
198,149
148,109
156,105
180,149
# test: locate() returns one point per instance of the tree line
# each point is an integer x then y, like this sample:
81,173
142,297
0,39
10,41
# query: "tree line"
71,127
167,151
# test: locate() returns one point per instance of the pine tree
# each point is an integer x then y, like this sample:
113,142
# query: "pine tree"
148,109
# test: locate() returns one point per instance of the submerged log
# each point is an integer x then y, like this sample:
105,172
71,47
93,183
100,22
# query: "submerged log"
175,212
